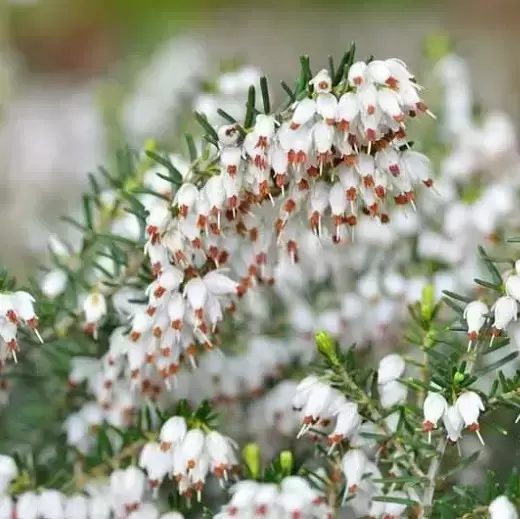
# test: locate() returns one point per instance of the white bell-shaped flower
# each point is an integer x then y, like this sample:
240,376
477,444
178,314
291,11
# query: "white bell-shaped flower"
95,308
221,450
392,393
475,315
304,111
157,463
76,506
27,506
434,408
395,510
506,310
502,508
356,73
348,421
512,286
322,81
185,198
145,511
353,465
8,471
173,432
7,507
390,368
51,505
470,405
192,448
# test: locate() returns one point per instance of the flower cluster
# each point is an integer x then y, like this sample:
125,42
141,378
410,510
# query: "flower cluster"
463,413
16,309
268,200
294,497
503,311
122,497
188,456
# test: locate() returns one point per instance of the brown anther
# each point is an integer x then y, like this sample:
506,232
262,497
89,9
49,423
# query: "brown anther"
289,206
280,180
303,184
159,291
368,181
343,126
313,171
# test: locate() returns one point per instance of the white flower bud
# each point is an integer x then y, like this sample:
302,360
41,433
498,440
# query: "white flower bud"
303,390
156,461
356,73
54,283
378,72
196,292
323,135
27,506
185,198
475,315
7,508
76,506
322,81
304,111
390,368
348,422
506,309
502,508
191,448
347,111
327,107
512,286
215,192
228,135
392,393
230,159
95,307
219,284
395,509
8,471
389,102
434,407
353,466
51,504
173,432
470,405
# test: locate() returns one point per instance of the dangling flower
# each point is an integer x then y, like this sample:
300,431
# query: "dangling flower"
506,310
321,82
353,466
173,432
470,405
502,508
95,307
512,286
475,315
390,368
347,423
453,423
434,408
